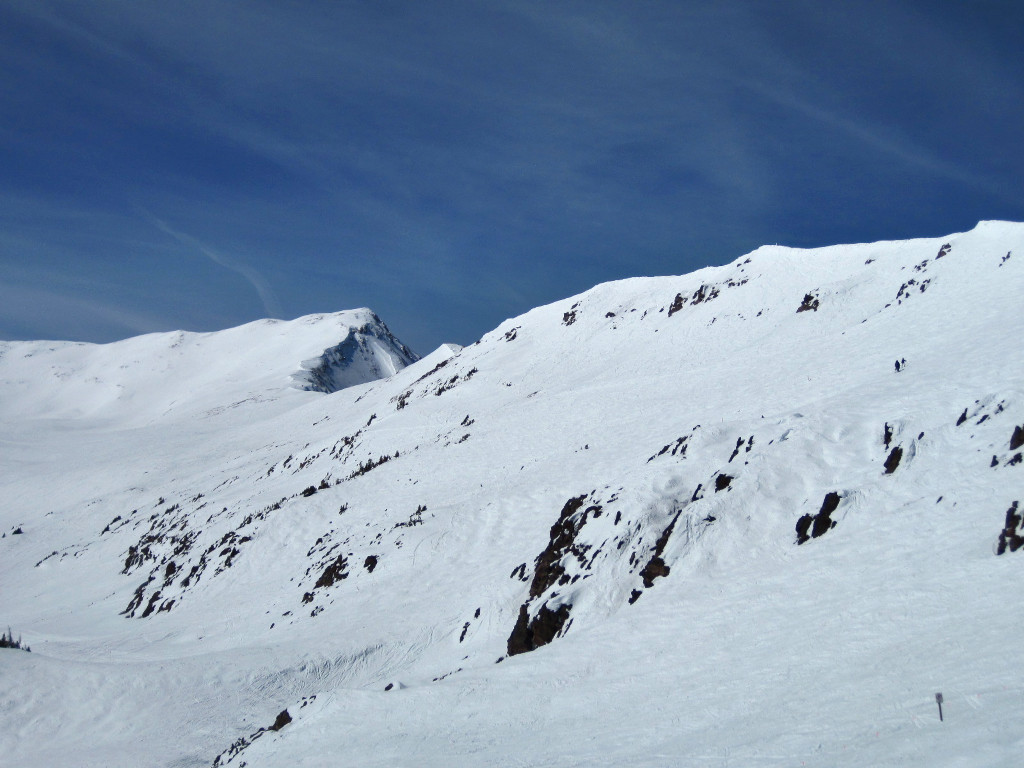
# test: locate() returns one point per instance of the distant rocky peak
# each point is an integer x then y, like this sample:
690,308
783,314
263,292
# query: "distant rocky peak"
368,352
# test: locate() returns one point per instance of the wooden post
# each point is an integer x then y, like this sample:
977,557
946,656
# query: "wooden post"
938,700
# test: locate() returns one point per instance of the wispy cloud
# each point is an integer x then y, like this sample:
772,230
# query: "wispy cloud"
267,296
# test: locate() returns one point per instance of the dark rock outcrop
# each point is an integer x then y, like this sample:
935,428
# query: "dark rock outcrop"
812,526
549,570
656,566
810,303
530,634
1011,536
333,573
283,718
893,461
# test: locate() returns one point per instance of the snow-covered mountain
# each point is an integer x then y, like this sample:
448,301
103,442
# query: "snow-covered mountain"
755,515
151,377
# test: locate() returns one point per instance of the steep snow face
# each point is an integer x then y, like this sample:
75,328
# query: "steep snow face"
157,375
759,514
369,351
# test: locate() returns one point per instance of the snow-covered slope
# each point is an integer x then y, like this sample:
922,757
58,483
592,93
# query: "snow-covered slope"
152,376
747,516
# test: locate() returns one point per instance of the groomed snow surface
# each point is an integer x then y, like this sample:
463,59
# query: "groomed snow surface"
748,516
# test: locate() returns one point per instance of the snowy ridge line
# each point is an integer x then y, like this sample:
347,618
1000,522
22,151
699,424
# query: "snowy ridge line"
148,379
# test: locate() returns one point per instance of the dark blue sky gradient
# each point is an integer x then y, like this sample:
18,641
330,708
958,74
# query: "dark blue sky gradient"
198,165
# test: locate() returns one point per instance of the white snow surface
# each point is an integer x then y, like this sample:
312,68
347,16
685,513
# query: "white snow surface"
204,546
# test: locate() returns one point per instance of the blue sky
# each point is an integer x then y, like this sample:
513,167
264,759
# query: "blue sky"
198,165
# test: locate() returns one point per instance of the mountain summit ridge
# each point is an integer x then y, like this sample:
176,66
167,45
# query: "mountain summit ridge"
369,352
180,371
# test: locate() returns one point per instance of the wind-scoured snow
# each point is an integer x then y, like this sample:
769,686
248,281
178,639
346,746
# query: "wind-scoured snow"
369,352
755,515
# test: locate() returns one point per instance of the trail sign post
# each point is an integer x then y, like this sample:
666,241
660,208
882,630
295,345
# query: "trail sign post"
938,700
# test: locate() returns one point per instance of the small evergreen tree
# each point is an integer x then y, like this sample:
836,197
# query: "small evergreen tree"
8,641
